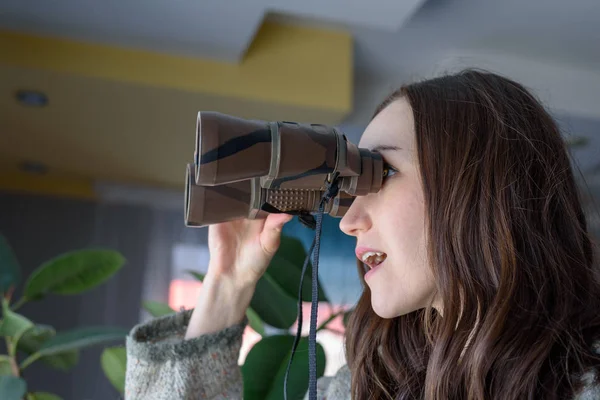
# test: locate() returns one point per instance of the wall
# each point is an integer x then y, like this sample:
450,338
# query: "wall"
39,228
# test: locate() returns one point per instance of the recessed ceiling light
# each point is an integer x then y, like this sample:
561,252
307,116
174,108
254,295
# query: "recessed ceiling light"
32,167
32,98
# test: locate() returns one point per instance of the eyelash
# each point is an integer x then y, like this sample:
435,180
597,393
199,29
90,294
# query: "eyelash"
388,171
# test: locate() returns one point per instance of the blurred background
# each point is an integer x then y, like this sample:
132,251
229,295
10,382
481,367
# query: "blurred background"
98,105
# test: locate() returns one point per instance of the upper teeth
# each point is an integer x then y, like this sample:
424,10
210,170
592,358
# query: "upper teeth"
371,257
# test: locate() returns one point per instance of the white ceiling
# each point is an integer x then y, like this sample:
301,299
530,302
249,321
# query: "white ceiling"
216,29
389,33
549,45
196,28
552,30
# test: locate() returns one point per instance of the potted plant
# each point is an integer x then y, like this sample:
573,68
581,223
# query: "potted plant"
28,342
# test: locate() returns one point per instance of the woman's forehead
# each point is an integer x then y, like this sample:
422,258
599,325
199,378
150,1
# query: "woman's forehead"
393,126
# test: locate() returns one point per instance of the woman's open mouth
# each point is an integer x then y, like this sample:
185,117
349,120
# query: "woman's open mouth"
372,258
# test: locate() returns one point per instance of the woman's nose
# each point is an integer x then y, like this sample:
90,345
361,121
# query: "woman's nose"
356,219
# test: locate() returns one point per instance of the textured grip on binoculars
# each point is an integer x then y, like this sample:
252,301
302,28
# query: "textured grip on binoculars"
287,200
206,205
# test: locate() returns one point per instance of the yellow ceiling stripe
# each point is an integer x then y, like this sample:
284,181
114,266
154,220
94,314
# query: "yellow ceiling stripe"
290,65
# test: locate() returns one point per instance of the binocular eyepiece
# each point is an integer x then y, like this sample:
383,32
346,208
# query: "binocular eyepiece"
248,169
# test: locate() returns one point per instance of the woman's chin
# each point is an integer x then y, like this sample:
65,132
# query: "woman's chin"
382,309
388,310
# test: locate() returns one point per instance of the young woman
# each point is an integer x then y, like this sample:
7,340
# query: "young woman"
478,270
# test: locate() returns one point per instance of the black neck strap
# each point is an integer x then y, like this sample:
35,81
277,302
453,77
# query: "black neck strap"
330,192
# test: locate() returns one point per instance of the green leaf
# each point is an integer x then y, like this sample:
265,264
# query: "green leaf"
157,309
64,361
12,388
13,324
255,322
273,305
286,269
293,250
266,363
81,338
10,272
73,273
114,364
45,396
34,338
5,368
199,276
32,341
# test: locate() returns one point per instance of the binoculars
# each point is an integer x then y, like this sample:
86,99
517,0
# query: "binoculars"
249,168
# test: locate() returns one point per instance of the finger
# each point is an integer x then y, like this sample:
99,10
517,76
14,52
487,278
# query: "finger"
271,234
255,227
277,221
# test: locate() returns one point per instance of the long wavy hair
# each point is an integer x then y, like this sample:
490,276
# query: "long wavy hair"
509,250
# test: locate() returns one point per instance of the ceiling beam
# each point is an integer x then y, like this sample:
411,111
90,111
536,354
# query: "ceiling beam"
287,65
128,116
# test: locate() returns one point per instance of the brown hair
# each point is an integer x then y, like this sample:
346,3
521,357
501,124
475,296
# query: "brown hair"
509,250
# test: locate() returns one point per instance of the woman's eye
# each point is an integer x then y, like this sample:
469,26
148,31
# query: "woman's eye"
388,171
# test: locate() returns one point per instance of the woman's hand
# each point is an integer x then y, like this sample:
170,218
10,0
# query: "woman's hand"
240,252
243,249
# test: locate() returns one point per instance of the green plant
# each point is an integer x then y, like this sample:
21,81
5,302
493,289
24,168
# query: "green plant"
27,342
275,303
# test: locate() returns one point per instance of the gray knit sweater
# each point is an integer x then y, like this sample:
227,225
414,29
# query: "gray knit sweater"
162,365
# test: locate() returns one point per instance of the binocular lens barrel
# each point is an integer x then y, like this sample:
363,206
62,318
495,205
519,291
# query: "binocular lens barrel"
230,149
248,169
206,205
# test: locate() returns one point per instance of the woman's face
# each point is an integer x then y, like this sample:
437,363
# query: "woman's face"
392,221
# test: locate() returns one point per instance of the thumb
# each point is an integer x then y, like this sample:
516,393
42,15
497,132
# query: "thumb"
270,237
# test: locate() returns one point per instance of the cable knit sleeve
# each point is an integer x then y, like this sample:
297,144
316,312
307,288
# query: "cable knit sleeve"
162,365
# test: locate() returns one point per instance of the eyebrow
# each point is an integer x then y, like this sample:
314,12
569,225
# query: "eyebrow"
384,148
